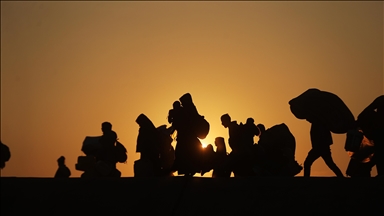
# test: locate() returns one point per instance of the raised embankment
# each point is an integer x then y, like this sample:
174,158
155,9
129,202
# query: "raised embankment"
192,196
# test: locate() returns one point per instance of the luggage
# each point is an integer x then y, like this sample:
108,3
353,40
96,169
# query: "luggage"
91,145
202,127
121,153
279,137
85,163
323,107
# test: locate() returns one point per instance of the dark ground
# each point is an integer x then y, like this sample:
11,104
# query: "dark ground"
192,196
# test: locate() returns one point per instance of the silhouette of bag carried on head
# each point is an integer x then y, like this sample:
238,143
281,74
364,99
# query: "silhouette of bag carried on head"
91,145
120,153
323,107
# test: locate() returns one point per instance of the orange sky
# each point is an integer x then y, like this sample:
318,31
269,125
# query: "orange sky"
68,66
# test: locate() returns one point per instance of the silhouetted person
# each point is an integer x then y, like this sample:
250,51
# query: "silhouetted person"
5,155
167,152
371,121
220,166
321,139
106,160
188,152
250,131
63,171
234,139
174,114
107,140
148,145
240,159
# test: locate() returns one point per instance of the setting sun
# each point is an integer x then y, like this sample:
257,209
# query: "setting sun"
66,67
203,143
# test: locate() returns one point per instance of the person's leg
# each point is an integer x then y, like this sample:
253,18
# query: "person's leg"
313,155
327,157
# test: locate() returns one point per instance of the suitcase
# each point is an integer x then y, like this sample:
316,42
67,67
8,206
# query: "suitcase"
85,163
91,145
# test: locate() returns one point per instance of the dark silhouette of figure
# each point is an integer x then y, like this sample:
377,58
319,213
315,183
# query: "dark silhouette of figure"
234,139
63,171
107,140
5,155
190,126
148,145
276,151
321,139
197,122
220,166
174,115
102,154
361,151
250,131
167,152
371,121
327,113
240,158
106,160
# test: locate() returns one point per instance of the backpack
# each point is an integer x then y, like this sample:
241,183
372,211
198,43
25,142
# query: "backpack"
121,153
202,127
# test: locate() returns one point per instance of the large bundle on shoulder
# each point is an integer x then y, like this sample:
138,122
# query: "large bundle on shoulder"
323,107
279,138
200,124
358,143
372,117
279,145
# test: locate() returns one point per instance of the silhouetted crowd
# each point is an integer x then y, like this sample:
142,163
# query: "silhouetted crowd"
272,155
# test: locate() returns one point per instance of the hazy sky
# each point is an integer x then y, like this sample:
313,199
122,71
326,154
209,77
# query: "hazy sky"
66,67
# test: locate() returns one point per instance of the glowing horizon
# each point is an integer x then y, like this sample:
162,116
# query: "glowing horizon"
66,67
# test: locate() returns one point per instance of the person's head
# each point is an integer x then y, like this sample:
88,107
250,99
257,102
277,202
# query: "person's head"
261,128
186,99
220,144
61,160
250,121
106,127
209,149
143,121
225,120
219,141
176,105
